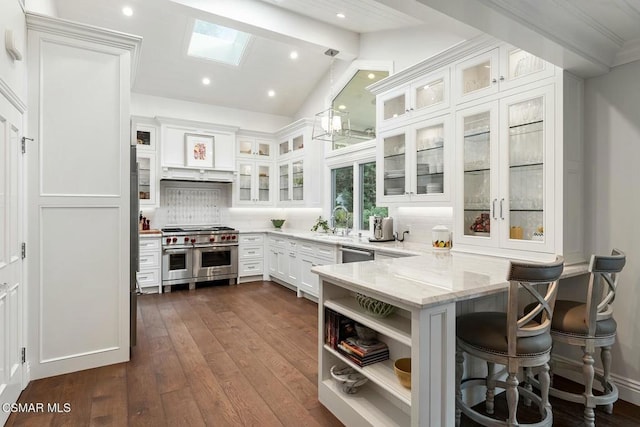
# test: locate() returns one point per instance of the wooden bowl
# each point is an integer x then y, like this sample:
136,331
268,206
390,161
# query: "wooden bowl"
402,368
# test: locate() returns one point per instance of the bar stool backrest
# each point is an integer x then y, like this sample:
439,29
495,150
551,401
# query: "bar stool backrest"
531,277
603,282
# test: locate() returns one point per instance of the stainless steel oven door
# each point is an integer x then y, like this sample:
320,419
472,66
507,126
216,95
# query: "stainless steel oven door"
215,262
177,265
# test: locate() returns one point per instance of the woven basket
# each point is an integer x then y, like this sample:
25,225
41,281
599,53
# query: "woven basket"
374,307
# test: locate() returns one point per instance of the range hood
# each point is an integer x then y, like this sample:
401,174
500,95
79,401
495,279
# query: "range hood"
198,175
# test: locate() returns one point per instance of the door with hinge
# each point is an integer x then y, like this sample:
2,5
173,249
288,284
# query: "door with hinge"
11,254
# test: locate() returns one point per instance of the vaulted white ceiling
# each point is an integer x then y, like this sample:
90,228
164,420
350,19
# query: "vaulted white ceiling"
585,36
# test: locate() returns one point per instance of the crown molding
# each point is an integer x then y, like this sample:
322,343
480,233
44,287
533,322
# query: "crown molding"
630,52
88,33
12,97
296,126
196,125
433,63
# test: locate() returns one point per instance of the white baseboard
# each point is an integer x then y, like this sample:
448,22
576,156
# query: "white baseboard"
628,390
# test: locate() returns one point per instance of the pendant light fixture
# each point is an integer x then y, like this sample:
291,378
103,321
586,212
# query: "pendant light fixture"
331,124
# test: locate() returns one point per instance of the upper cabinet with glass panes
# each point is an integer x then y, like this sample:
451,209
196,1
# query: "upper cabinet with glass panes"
257,148
498,69
291,145
424,95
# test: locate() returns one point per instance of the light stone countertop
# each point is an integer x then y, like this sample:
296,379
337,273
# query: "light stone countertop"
428,280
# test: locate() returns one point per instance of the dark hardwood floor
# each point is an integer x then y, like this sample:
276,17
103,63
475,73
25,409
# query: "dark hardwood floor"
218,356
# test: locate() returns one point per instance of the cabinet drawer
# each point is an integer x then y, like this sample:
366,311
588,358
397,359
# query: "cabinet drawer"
251,239
292,244
307,248
149,260
251,252
326,251
149,278
250,268
149,244
277,241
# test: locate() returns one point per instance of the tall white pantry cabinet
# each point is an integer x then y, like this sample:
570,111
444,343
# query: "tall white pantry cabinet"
78,195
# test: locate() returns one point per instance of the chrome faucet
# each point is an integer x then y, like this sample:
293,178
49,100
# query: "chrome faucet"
345,230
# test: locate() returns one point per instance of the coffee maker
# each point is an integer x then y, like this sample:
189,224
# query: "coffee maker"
382,229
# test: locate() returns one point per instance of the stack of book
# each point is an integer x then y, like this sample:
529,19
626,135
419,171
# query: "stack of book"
363,354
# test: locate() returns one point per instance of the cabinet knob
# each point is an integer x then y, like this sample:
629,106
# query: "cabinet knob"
494,81
411,109
501,78
406,111
406,192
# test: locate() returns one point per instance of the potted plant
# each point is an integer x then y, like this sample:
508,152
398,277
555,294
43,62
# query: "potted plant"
321,225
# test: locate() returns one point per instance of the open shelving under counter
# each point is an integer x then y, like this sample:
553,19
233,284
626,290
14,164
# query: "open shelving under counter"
427,292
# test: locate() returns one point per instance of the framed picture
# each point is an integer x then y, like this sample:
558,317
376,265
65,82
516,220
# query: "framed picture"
198,150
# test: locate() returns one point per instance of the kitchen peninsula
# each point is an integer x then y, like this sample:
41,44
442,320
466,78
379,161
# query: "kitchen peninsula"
428,291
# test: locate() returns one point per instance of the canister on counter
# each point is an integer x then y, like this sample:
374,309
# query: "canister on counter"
440,238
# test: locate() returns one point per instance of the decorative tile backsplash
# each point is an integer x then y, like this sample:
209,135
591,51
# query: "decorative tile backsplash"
191,205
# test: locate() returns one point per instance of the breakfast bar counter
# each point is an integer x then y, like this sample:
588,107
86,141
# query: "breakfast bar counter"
427,291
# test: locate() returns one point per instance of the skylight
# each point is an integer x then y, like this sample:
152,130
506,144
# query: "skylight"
217,43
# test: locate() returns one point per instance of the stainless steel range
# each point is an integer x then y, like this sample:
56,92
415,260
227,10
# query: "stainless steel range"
198,254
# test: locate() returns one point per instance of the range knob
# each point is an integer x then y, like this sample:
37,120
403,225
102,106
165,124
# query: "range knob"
234,237
175,239
193,240
212,239
168,240
186,240
223,237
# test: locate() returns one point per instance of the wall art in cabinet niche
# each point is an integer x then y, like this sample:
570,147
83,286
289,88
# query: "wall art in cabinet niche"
198,150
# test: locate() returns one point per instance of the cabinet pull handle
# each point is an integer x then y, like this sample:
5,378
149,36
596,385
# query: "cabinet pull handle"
494,80
501,78
501,216
493,205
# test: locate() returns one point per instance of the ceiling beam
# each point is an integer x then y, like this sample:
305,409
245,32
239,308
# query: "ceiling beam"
275,23
573,46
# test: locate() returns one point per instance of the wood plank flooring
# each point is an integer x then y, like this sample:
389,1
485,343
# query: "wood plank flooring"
241,355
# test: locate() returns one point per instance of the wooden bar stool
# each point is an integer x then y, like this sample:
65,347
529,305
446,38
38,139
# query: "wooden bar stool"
511,340
591,325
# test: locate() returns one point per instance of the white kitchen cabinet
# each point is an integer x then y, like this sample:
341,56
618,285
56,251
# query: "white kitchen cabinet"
298,166
251,257
414,163
278,258
150,257
311,254
254,148
254,183
147,179
498,69
423,96
144,134
174,148
291,182
291,145
506,161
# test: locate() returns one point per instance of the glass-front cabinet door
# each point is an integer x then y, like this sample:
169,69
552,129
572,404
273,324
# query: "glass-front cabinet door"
519,67
283,182
146,178
252,147
528,165
297,175
477,76
429,152
478,222
254,183
394,166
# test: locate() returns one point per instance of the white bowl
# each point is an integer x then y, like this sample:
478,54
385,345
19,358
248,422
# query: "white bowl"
348,378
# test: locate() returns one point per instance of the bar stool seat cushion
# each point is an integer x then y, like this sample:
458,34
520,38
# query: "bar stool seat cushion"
570,317
488,331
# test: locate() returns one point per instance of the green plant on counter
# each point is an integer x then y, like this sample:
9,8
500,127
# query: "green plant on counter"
321,224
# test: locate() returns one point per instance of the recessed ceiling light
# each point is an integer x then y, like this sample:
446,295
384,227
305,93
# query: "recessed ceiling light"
271,93
206,81
341,15
342,107
293,55
127,11
371,76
